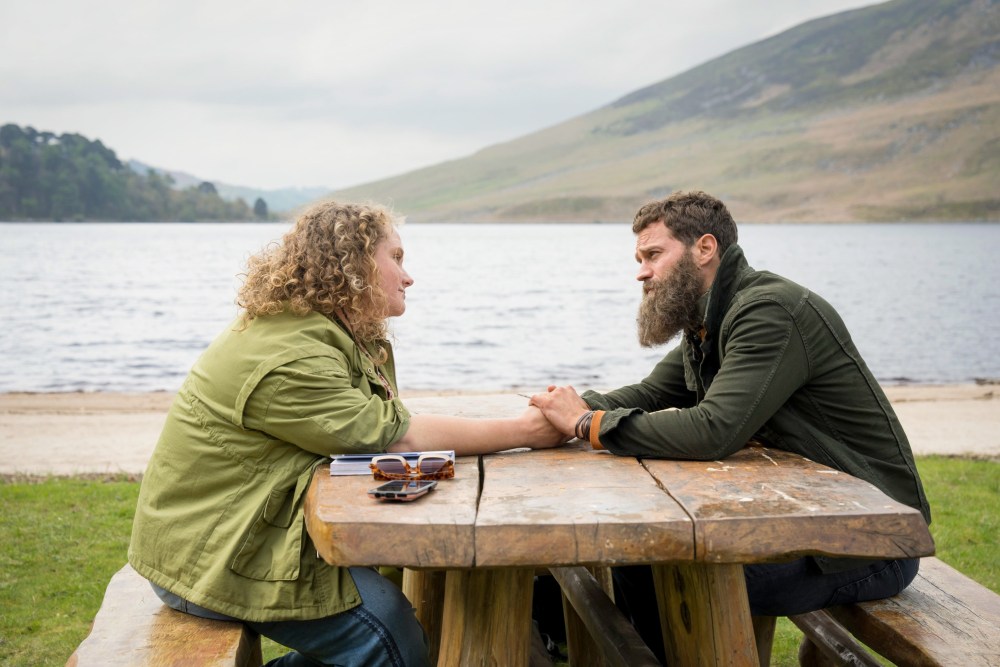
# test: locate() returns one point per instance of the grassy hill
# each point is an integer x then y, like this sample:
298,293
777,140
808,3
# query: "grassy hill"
890,112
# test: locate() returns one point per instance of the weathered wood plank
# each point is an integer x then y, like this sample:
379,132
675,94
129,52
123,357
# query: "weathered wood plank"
705,615
572,506
582,650
133,627
615,639
487,618
425,591
765,504
436,531
827,642
942,618
763,634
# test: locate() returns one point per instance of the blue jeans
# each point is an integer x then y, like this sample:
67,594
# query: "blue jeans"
380,632
774,589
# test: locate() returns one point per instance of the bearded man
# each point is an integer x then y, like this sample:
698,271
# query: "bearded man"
761,359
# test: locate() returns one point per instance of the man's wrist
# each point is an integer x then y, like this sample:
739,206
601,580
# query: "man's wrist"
582,428
588,427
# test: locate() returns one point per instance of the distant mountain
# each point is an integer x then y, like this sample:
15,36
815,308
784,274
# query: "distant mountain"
278,200
890,112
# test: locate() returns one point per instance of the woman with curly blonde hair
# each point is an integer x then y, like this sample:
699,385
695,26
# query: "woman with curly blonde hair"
326,265
305,372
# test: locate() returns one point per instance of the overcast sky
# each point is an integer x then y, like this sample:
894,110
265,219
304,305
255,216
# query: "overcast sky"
335,93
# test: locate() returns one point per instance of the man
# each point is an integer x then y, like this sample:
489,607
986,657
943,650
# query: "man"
761,358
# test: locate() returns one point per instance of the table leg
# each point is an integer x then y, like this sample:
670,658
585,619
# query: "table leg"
583,651
705,614
425,591
487,618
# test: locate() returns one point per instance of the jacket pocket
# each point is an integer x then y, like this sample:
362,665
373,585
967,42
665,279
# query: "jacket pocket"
271,550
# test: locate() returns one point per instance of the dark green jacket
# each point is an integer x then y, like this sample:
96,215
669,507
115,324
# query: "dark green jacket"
219,520
776,364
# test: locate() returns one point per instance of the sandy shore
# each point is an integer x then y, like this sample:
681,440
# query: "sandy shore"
81,433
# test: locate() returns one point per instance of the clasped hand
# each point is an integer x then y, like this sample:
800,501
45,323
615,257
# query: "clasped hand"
561,406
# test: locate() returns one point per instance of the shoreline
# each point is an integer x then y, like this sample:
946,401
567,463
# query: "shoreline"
142,400
97,433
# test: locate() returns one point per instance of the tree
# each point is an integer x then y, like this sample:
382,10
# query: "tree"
260,209
44,176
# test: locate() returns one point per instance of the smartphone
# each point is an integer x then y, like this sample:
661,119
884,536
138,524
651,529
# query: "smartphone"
402,489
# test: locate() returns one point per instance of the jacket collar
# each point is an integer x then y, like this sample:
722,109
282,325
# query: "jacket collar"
732,269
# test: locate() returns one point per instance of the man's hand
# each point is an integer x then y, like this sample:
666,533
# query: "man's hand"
543,435
562,406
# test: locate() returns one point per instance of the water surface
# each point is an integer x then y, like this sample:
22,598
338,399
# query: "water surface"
129,307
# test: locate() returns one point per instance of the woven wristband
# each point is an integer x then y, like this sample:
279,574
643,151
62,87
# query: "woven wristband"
581,430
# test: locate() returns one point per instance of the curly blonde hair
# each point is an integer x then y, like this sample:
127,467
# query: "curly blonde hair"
325,264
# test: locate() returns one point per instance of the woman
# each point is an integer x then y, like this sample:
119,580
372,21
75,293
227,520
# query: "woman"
305,372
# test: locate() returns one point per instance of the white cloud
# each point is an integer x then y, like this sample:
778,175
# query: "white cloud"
336,93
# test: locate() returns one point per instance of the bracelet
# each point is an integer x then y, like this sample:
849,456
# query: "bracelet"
582,428
594,434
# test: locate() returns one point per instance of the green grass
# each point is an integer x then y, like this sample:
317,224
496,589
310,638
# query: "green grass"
62,539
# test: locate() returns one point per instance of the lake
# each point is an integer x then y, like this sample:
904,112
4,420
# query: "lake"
129,307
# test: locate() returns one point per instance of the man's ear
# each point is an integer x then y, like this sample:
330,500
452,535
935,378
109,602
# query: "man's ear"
706,249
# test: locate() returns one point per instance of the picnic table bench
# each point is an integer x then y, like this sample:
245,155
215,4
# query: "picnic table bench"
133,627
943,618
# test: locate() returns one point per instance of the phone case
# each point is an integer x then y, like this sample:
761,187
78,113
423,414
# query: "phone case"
404,495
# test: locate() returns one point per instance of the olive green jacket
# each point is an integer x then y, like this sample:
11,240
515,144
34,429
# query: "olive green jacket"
776,364
219,520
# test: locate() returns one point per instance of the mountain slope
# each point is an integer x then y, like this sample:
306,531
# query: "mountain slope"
883,113
281,199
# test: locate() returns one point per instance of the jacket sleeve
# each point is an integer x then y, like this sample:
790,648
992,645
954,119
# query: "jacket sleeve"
311,403
663,388
764,361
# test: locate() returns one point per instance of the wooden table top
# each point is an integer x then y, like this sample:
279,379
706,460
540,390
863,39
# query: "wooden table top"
572,506
505,515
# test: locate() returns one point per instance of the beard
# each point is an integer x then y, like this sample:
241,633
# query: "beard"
671,306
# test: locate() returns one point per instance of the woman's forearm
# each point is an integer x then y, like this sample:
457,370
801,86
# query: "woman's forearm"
477,436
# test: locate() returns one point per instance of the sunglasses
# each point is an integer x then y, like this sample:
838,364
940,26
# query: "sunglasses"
429,466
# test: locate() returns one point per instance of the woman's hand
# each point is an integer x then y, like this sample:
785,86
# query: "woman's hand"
541,434
562,406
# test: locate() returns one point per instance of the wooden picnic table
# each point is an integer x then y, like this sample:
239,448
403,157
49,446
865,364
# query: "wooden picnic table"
697,523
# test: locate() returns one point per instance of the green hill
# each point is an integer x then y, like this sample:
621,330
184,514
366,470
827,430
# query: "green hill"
67,177
889,112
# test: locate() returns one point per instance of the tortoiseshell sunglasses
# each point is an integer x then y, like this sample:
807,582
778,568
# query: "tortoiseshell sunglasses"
429,466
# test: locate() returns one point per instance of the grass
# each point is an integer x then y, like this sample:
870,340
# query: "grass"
64,538
61,539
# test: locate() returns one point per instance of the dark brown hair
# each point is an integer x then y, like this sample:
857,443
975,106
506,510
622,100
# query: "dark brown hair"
688,216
